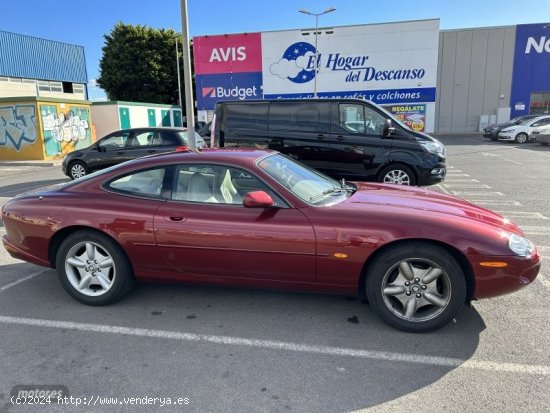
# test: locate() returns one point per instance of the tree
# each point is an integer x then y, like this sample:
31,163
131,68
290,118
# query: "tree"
139,64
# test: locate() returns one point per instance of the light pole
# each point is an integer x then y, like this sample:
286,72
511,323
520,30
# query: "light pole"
187,78
305,11
178,69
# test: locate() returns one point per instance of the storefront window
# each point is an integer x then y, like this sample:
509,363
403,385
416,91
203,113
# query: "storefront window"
540,103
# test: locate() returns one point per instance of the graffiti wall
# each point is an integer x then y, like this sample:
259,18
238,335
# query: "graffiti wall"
65,130
43,129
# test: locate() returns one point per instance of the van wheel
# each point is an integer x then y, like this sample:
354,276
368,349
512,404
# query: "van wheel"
397,174
416,287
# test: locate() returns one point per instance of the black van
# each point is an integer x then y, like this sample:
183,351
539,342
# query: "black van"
345,138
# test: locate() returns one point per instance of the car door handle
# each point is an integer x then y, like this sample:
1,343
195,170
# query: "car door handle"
321,136
340,138
120,153
151,151
176,218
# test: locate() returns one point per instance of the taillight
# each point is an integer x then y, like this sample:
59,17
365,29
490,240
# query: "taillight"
182,149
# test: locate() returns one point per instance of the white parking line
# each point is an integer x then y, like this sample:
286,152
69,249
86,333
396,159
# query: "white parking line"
521,214
543,280
467,185
535,230
460,179
477,193
28,277
286,346
451,174
499,202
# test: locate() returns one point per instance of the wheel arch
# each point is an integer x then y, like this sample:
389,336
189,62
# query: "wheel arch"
457,255
63,233
393,164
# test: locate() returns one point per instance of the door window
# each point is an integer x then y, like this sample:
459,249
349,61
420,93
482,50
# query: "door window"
114,141
148,138
359,119
298,117
216,184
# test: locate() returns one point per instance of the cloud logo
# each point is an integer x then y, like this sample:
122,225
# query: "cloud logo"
296,64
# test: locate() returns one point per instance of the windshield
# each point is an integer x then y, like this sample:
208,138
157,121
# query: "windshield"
304,182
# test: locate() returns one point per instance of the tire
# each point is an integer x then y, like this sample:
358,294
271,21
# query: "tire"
522,137
78,169
96,260
419,306
397,174
494,138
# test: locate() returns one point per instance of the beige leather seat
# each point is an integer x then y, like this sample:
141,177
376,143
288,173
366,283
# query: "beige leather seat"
228,191
199,190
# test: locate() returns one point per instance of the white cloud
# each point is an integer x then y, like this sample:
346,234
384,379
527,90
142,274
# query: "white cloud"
285,68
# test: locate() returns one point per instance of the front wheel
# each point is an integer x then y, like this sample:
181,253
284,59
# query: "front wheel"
521,137
397,174
93,268
416,287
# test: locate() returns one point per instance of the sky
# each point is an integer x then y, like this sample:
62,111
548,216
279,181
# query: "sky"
85,23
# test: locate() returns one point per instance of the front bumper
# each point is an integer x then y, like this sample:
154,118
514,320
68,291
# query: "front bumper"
506,136
491,282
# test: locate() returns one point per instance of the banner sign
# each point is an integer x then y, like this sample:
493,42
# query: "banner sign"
414,116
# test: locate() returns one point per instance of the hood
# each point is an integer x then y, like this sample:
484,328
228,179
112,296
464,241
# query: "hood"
415,199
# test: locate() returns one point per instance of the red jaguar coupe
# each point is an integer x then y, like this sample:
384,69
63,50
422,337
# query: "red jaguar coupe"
259,219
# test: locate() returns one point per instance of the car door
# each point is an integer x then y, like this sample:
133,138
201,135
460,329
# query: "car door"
142,142
359,149
111,150
205,231
542,126
301,130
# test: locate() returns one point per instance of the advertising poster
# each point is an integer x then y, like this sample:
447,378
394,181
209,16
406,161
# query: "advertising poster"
414,116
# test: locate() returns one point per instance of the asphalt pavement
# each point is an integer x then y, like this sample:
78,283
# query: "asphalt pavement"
224,349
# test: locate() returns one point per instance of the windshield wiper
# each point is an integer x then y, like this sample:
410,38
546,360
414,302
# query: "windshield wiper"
330,191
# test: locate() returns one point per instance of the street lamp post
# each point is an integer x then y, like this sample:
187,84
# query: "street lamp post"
178,69
187,78
305,11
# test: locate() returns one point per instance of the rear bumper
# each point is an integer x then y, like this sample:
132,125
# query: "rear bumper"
20,254
491,282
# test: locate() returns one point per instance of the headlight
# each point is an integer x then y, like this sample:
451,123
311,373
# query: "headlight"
507,130
436,148
520,245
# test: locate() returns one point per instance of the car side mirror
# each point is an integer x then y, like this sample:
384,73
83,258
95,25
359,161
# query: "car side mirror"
258,199
388,129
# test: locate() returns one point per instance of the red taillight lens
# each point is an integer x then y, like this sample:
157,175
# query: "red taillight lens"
182,149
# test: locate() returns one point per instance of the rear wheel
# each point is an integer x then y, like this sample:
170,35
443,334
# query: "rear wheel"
78,169
521,137
93,268
416,287
397,174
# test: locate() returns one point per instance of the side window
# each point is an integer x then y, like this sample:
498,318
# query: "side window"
114,141
246,119
308,117
169,139
360,119
149,138
216,184
352,118
148,183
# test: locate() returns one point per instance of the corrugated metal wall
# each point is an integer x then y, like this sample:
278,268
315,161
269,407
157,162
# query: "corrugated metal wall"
35,58
474,76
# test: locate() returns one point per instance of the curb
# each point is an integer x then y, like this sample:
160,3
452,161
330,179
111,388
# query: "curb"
4,164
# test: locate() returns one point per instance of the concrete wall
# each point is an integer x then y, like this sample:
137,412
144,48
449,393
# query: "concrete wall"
474,76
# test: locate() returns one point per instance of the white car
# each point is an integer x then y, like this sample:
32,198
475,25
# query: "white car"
526,130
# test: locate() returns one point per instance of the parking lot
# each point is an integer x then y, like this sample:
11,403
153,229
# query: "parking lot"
251,350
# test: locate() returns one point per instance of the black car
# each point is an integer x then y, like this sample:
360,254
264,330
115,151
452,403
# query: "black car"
124,145
350,139
492,131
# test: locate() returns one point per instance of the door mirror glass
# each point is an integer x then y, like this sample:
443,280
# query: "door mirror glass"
388,128
258,199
